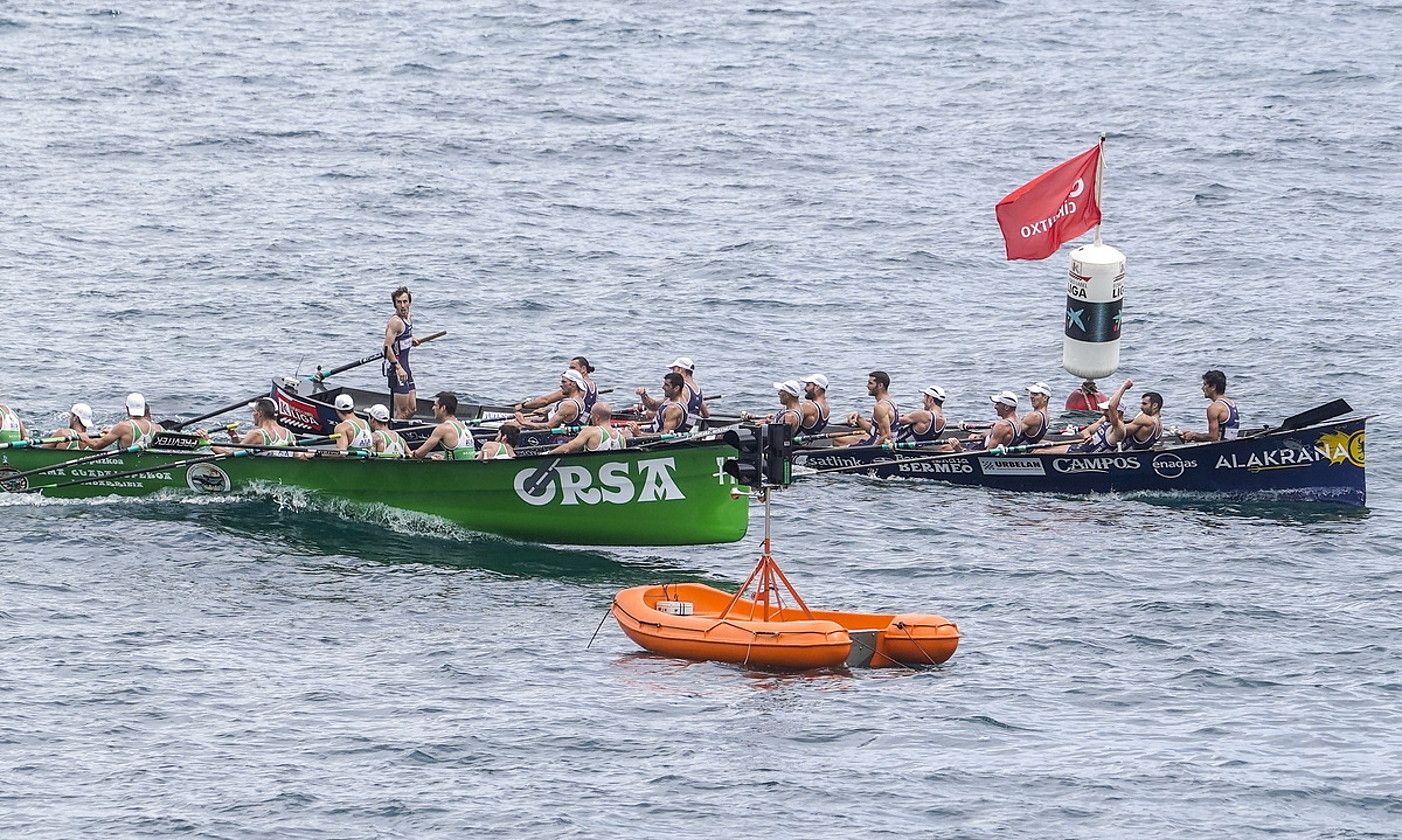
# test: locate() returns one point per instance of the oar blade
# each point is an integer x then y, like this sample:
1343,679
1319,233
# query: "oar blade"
1318,414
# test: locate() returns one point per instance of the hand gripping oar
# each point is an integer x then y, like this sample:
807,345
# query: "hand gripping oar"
105,453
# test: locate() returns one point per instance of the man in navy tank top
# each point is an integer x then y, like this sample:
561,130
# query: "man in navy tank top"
880,428
399,339
1223,419
815,408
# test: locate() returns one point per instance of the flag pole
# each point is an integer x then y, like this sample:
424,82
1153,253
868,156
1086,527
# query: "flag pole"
1099,180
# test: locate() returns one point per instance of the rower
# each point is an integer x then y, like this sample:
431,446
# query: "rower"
791,415
570,409
599,436
503,446
399,339
351,431
1032,427
692,398
1105,434
383,439
136,430
670,414
580,365
11,427
451,434
926,423
885,417
815,408
1223,419
1085,398
1144,431
266,431
80,426
1004,429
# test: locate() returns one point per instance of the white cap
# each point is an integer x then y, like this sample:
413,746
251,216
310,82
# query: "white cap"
789,386
934,391
83,412
378,412
345,403
576,377
817,379
136,405
1039,388
684,363
1007,398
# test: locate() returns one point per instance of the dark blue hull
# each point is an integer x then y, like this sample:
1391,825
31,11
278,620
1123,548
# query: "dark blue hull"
1321,463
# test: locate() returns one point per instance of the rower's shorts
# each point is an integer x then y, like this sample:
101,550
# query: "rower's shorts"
397,387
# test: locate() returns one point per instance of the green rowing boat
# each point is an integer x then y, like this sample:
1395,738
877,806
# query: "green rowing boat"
667,496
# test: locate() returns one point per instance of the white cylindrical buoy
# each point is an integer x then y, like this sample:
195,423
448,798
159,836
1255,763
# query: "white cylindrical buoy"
1093,297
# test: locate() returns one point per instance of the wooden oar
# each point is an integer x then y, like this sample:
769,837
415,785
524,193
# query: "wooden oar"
996,452
34,443
319,376
1318,414
106,453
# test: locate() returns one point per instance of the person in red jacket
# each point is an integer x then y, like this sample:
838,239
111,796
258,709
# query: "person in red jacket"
1086,398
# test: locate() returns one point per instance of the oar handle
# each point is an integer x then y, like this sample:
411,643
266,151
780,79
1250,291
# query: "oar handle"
322,376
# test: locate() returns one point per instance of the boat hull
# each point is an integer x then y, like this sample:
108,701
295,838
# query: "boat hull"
666,497
1320,463
787,640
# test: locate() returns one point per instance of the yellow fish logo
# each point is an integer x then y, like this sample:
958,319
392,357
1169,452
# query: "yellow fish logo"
1340,447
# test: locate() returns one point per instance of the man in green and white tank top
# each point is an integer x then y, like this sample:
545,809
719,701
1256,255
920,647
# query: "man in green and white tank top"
386,441
503,446
136,430
451,434
351,432
599,436
11,427
80,426
266,431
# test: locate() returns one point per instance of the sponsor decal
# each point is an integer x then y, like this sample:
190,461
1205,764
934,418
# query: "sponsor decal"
953,466
207,478
298,414
1011,466
614,483
1095,464
182,441
1170,465
1342,448
1290,456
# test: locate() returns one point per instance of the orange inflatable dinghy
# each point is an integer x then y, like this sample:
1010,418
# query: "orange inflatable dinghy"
695,621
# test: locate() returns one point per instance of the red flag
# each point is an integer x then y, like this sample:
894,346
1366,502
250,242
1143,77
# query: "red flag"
1055,206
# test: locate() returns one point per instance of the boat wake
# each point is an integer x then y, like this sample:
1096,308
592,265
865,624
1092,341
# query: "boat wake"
403,522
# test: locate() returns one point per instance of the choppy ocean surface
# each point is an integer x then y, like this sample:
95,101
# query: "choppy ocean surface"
197,196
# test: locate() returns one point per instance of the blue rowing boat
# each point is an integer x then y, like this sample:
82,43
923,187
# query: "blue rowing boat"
1322,462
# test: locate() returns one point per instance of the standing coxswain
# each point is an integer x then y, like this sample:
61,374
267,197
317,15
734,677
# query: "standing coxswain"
399,340
1223,419
451,434
383,439
80,426
351,431
136,430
